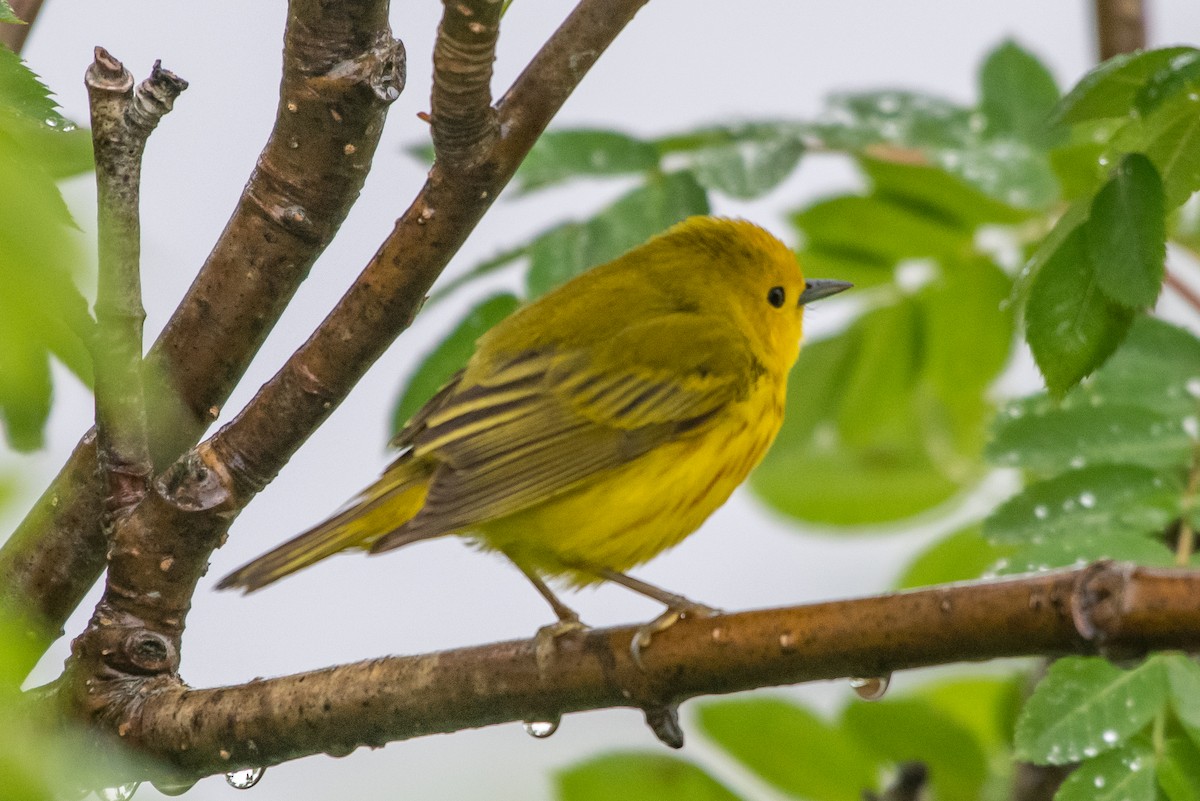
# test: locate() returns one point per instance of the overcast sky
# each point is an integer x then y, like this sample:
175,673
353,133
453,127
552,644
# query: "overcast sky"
680,63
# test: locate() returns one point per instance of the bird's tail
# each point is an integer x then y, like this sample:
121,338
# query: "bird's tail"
382,507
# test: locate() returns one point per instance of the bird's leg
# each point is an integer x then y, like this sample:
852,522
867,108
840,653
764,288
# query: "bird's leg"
568,619
678,607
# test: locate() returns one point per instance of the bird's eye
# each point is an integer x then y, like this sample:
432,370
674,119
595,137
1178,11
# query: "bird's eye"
776,296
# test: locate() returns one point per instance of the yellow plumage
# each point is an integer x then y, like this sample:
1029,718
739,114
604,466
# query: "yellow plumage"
601,424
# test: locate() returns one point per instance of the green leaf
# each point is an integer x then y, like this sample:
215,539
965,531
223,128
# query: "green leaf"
910,729
790,748
864,270
1017,92
938,193
561,155
1178,770
1109,89
965,341
1158,368
646,777
568,250
40,307
879,228
1075,548
749,161
1183,678
1100,498
1170,137
962,556
988,707
1125,774
854,120
1070,325
1181,75
1011,170
1126,234
811,474
450,355
1058,438
1085,706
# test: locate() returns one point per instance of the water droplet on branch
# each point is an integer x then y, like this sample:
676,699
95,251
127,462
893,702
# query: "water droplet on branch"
245,778
870,688
541,729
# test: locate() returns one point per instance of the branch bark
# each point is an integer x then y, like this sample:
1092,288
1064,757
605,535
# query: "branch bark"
122,121
1120,27
341,71
1115,609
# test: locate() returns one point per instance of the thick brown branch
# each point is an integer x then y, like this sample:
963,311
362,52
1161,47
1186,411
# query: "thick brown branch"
342,69
14,36
1120,27
463,120
122,121
1104,608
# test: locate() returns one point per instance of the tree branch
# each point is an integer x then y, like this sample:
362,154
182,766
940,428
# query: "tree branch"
14,36
1120,27
1114,609
122,121
463,120
341,71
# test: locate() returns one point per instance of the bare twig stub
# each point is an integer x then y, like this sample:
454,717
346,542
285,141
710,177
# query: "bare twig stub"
122,120
1120,27
463,120
1103,608
342,69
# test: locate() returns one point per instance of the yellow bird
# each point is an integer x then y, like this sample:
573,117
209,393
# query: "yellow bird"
599,425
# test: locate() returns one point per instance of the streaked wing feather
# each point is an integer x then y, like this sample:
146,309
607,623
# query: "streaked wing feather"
545,422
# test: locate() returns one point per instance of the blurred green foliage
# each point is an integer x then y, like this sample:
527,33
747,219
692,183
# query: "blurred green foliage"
41,310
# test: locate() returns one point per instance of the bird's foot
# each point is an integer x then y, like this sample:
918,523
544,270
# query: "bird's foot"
642,638
547,638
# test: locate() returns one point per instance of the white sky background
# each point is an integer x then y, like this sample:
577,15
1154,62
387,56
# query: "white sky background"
681,63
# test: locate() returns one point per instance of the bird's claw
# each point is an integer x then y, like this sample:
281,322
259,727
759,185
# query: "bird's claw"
643,636
547,637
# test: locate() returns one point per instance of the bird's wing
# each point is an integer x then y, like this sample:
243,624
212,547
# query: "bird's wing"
542,423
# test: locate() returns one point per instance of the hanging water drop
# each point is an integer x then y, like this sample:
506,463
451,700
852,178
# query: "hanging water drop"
541,729
173,788
870,688
122,792
245,778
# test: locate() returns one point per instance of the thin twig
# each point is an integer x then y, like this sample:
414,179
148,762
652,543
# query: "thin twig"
13,36
1120,27
1185,292
1185,543
341,71
1115,609
122,121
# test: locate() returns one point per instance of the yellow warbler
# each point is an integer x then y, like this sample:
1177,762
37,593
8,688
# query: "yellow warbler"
598,426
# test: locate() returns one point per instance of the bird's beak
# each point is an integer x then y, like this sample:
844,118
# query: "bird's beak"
819,288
